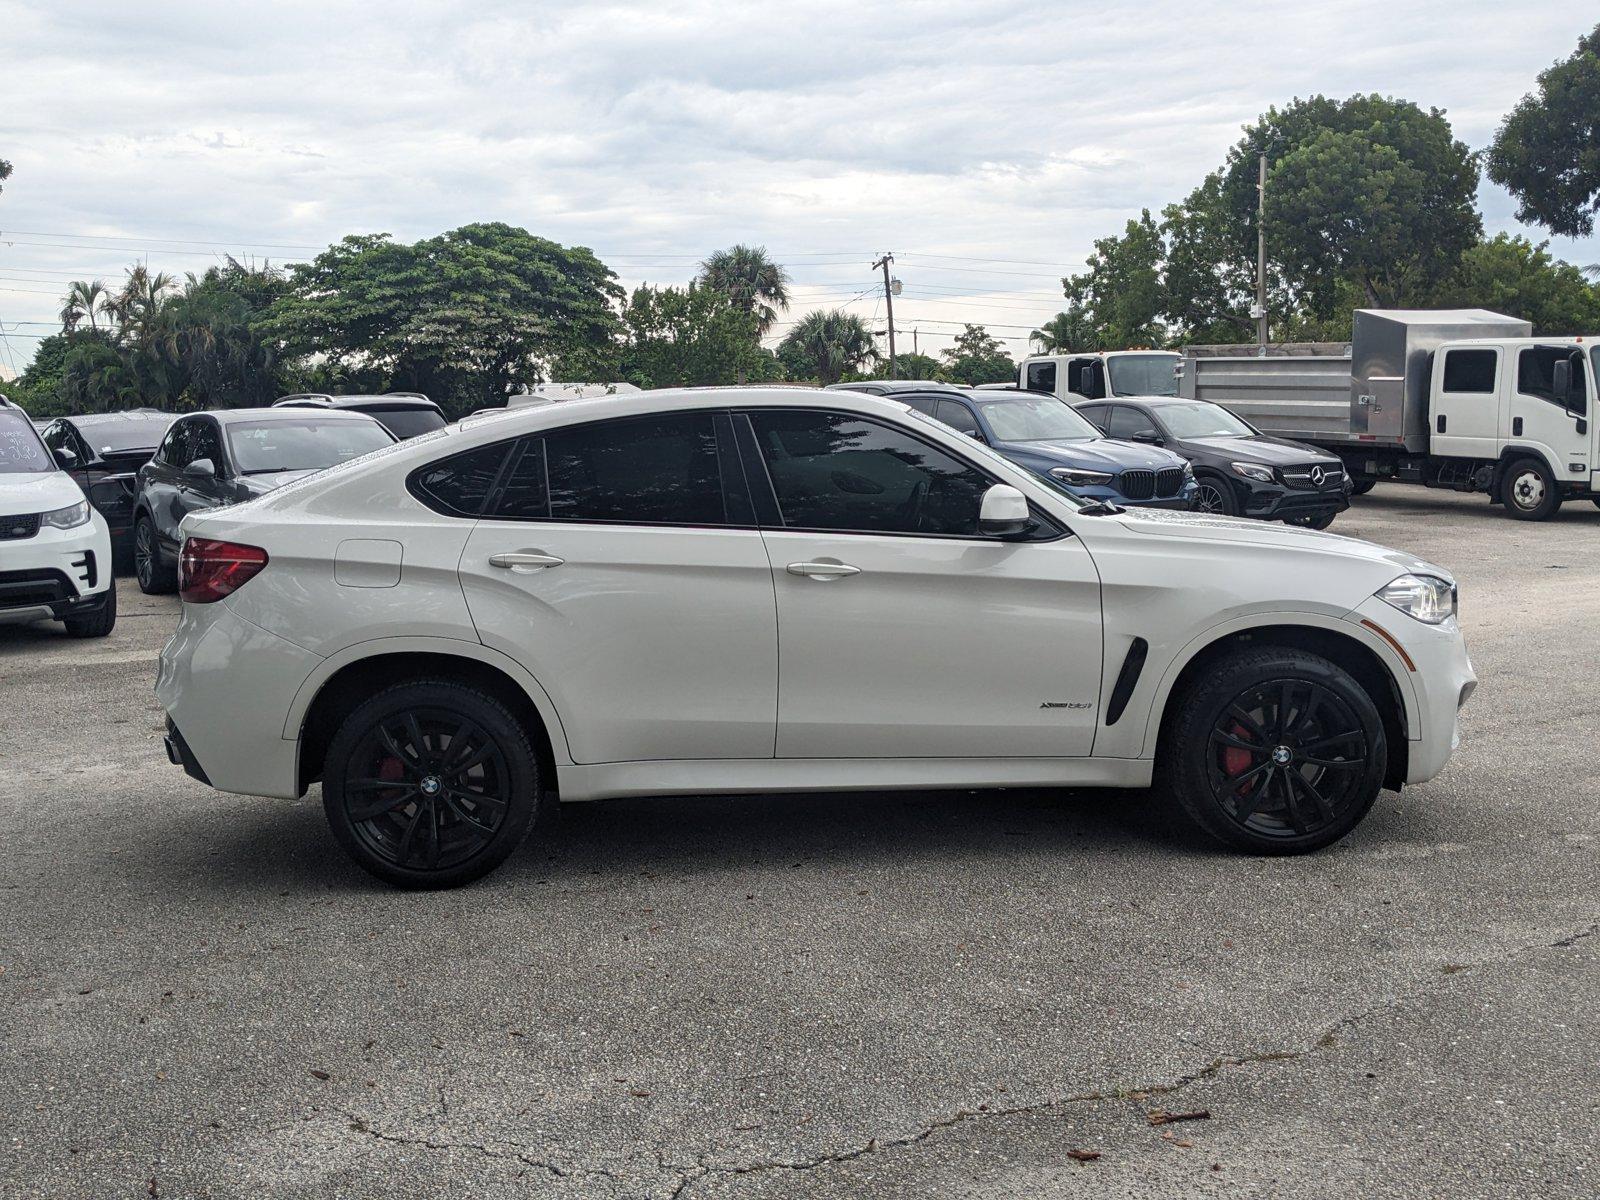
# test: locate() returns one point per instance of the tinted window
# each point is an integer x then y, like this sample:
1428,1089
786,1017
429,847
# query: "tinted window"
306,443
459,485
407,422
835,471
1536,375
176,448
1096,414
924,404
1125,422
206,442
659,470
956,415
1469,370
20,447
1041,377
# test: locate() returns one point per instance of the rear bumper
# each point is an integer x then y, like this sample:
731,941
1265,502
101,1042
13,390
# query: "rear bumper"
179,754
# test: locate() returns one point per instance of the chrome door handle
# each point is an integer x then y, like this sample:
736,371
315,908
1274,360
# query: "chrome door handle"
525,560
823,570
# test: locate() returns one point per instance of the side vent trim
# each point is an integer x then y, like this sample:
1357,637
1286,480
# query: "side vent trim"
1127,680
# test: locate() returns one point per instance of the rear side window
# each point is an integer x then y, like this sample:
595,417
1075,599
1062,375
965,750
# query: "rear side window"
840,472
643,470
459,486
1469,370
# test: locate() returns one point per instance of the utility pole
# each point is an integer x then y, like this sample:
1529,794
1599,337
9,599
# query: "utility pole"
1261,259
888,300
917,350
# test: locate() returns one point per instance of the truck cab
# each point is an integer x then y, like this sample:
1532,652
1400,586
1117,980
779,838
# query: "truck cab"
1517,416
1098,374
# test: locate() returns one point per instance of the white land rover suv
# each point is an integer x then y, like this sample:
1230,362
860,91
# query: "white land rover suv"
758,590
55,550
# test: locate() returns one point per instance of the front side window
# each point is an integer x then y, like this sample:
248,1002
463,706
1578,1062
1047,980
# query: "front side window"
1144,374
307,443
959,417
1034,419
1470,371
20,447
175,450
840,472
1126,423
1041,377
206,442
646,470
1536,375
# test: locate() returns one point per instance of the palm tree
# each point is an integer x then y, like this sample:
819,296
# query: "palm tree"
751,280
824,344
139,302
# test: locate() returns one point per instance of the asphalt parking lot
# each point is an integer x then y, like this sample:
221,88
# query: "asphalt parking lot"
823,996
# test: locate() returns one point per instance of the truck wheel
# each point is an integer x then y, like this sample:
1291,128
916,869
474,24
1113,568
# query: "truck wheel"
1529,490
1213,494
1273,751
155,577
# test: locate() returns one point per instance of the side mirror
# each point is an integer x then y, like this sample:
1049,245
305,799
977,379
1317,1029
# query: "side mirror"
66,459
201,468
1148,436
975,434
1561,381
1003,511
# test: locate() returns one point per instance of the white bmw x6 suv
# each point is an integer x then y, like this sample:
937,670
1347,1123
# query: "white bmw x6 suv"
760,590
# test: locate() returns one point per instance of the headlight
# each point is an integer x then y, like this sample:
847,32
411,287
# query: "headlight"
69,517
1428,598
1076,478
1253,471
1188,470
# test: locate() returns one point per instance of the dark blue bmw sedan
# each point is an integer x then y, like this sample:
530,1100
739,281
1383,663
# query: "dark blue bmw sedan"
1052,440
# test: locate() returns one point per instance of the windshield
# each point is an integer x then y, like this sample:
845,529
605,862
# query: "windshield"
1202,420
977,449
20,447
407,422
113,437
1144,374
1035,420
307,444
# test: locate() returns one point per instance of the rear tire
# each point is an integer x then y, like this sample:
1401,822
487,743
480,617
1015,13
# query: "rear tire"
430,784
1215,496
1528,490
155,577
1273,751
98,624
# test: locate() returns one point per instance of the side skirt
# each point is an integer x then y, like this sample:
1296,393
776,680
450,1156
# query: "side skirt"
701,777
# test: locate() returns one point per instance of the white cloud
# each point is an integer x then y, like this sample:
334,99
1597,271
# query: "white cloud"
1019,130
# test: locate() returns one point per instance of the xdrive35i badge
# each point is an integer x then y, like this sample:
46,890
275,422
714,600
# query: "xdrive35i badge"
1065,704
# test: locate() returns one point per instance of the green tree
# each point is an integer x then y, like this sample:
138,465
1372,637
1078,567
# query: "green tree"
1514,276
750,279
5,172
907,366
825,345
687,337
1121,295
1547,151
977,358
465,317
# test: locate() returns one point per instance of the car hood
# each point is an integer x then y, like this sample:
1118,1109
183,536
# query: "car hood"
266,481
1239,531
36,492
1095,452
1277,452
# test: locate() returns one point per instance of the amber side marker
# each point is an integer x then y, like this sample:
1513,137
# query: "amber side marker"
1389,637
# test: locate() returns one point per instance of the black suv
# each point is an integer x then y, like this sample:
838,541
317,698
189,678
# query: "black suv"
1240,470
404,414
212,459
103,452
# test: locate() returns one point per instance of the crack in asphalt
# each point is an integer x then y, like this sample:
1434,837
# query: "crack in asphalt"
687,1174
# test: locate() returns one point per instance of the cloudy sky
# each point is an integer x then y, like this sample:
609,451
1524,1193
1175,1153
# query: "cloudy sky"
986,144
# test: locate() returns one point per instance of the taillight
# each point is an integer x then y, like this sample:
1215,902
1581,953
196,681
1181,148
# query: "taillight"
209,570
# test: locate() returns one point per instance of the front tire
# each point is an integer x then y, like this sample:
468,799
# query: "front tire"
155,577
1318,522
1528,490
430,784
1214,495
99,624
1274,751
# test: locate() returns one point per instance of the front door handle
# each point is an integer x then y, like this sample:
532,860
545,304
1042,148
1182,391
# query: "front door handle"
524,561
823,570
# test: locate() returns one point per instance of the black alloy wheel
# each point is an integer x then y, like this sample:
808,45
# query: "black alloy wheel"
1212,495
155,578
1275,751
430,784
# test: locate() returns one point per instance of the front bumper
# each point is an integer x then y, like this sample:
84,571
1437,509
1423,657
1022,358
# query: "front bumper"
1270,502
1440,678
55,573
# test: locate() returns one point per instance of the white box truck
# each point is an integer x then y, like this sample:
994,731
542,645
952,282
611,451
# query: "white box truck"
1456,398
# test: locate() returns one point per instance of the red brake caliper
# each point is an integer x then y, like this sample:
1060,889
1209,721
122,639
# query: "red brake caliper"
1235,760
